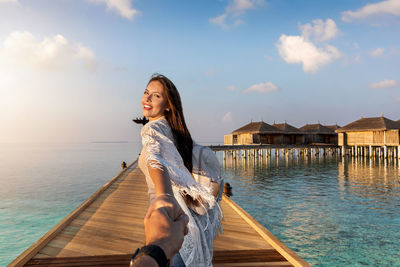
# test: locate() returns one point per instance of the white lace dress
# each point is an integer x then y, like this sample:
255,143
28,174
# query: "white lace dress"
159,151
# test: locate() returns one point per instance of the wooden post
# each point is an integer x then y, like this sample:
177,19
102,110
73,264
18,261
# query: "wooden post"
228,190
385,152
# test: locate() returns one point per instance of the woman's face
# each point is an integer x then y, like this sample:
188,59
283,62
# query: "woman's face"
154,102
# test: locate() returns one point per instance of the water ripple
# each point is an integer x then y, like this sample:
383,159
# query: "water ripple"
332,212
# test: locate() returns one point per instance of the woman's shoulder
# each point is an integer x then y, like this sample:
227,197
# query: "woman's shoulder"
160,126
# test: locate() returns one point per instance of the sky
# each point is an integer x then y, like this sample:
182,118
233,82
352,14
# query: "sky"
75,70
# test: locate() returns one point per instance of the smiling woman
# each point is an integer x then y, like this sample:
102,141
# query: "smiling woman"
166,161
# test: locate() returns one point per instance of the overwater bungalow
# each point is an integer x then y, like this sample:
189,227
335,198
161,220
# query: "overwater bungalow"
317,133
254,133
291,135
333,127
370,136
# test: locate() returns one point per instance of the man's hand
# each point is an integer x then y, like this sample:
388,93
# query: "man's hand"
164,231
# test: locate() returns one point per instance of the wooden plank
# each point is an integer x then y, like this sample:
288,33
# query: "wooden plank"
248,255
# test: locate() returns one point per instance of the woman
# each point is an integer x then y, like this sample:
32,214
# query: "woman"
166,161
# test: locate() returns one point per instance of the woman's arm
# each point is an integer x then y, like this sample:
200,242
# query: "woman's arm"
164,193
161,180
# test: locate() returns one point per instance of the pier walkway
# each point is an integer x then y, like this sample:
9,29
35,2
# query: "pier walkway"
108,227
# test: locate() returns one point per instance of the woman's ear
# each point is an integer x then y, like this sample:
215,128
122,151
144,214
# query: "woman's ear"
167,109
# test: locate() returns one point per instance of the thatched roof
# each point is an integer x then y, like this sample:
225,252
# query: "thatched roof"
257,127
369,124
333,127
287,128
316,129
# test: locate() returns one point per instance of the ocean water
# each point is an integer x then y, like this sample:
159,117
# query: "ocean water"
42,183
332,212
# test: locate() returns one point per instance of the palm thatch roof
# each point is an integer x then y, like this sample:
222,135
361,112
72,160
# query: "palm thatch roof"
257,127
287,128
370,124
316,129
333,127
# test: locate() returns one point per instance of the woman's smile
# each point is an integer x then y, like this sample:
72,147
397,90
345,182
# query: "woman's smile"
154,102
147,107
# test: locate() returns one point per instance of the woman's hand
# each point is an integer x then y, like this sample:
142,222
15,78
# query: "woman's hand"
164,231
168,203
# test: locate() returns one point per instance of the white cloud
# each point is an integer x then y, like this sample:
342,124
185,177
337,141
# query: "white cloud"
23,48
297,49
8,1
234,9
219,20
232,88
237,7
384,84
227,118
122,7
377,52
388,7
267,87
321,31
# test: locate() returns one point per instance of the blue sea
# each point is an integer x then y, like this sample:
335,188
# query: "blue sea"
330,211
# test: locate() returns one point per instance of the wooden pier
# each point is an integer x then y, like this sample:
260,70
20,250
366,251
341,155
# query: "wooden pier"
108,227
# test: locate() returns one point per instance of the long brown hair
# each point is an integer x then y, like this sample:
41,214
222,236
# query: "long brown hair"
176,120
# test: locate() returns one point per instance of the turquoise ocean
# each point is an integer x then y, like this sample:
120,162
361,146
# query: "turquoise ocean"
332,212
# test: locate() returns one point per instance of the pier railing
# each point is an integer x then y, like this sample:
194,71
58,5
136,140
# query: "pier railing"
267,150
260,151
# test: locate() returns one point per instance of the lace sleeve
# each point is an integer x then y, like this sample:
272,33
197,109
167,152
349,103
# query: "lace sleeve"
154,135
